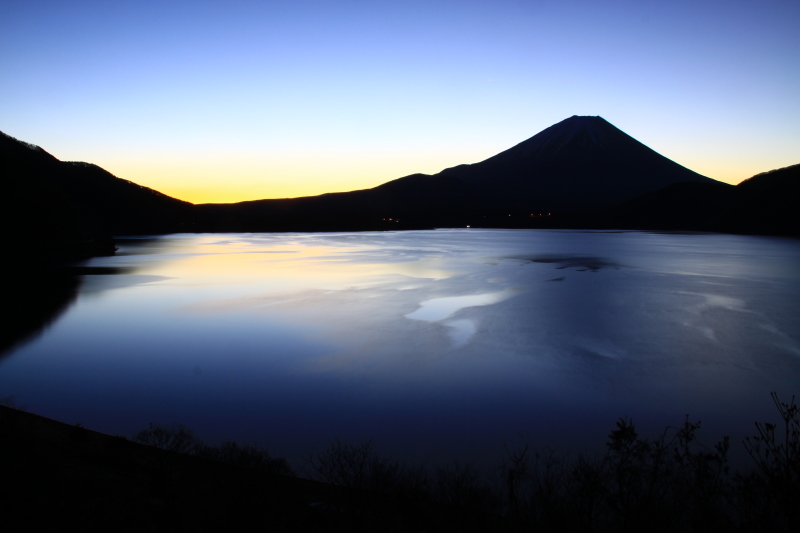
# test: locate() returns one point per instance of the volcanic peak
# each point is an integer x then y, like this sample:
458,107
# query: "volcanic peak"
584,133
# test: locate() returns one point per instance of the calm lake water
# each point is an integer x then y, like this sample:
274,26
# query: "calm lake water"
437,344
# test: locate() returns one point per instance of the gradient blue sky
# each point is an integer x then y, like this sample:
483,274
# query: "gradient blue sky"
238,100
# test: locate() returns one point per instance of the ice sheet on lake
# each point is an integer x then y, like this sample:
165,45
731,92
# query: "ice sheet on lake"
441,308
461,331
438,309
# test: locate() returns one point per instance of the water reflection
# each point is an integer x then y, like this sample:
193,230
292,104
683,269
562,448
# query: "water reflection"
33,298
35,295
440,344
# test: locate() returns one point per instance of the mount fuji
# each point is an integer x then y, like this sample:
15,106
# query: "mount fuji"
580,165
580,173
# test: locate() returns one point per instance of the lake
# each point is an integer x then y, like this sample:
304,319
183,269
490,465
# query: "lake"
438,345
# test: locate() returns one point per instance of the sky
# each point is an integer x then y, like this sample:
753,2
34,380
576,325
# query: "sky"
212,101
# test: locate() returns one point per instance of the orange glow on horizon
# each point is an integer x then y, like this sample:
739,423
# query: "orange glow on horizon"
222,193
226,195
202,190
224,181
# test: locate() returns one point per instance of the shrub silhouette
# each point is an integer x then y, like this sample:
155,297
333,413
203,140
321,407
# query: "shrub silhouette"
666,483
175,438
361,467
180,439
768,497
244,455
670,482
778,460
460,485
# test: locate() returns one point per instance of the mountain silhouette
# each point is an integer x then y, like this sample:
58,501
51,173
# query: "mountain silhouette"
578,166
50,201
581,163
582,172
765,204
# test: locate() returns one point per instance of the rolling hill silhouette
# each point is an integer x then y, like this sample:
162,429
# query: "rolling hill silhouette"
50,201
765,204
580,173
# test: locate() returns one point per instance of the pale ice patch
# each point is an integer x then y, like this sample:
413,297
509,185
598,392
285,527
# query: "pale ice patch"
784,341
716,300
708,332
726,302
418,269
441,308
770,328
460,331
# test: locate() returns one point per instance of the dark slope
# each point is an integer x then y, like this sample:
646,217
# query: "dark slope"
55,201
421,201
580,165
57,476
53,212
765,204
679,207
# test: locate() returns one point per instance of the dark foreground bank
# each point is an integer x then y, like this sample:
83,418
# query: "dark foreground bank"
56,475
